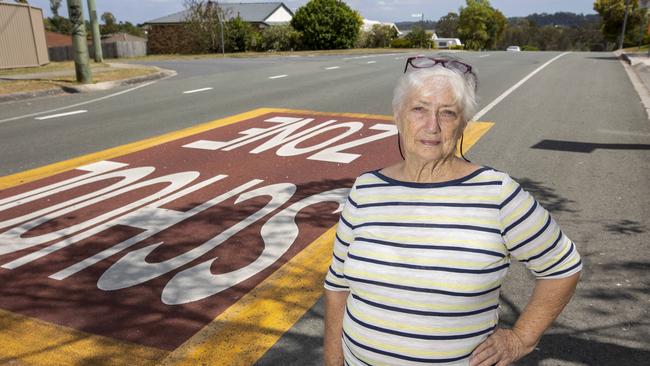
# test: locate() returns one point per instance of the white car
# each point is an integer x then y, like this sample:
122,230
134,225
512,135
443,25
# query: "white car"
513,49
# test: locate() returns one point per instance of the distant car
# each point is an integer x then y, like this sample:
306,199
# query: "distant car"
513,49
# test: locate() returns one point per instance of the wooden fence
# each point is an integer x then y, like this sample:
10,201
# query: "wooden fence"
118,49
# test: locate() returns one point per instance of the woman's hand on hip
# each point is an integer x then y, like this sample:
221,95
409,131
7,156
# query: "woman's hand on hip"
501,348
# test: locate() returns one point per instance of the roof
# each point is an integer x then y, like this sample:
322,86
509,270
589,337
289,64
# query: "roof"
368,24
57,39
249,12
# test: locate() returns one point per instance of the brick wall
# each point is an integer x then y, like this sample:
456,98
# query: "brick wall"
168,38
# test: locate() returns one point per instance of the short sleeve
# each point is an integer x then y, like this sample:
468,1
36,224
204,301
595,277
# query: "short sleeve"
335,279
533,237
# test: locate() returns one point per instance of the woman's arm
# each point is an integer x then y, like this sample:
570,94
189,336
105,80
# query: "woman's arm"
334,310
505,346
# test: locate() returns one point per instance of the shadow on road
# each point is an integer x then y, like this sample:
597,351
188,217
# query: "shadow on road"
626,227
585,147
546,196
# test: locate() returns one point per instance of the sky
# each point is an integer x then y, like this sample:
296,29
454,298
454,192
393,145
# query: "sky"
140,11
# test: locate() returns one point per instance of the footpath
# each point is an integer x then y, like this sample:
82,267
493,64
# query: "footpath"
19,86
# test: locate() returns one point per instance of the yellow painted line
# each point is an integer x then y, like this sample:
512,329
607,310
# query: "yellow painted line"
246,330
238,336
249,328
473,132
30,341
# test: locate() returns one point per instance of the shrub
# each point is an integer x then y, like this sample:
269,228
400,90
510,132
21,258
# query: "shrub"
279,38
401,43
239,35
529,48
419,37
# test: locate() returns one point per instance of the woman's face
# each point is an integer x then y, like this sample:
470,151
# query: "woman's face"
430,122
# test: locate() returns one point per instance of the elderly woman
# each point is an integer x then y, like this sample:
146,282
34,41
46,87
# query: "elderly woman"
422,246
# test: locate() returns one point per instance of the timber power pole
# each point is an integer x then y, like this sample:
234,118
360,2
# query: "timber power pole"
79,42
622,39
97,38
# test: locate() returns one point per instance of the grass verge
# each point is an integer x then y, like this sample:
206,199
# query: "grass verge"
51,67
31,85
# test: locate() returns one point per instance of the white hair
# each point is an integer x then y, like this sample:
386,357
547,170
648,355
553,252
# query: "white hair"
462,88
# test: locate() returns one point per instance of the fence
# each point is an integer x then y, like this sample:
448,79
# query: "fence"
116,49
22,36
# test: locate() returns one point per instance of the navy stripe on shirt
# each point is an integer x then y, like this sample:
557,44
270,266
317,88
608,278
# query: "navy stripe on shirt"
429,268
418,336
423,312
402,357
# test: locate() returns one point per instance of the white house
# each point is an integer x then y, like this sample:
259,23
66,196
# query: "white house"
368,24
443,43
258,14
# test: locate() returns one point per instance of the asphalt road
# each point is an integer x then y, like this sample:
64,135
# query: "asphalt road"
575,134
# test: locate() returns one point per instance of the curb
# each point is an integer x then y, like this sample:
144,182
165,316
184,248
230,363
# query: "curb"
106,85
634,71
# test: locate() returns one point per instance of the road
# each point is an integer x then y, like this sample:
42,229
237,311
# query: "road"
574,134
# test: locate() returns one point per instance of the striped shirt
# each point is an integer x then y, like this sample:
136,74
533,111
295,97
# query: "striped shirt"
424,263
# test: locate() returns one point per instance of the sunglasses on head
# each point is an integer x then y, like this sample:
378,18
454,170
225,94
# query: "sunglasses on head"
421,62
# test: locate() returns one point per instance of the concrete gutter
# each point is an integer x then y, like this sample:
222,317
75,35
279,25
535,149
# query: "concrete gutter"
637,67
106,85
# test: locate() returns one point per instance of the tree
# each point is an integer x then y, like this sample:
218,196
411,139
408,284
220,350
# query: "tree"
58,24
479,25
110,23
612,13
203,23
327,24
21,1
419,37
54,6
382,35
448,26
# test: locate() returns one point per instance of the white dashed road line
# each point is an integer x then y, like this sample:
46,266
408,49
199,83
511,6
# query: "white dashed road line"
332,67
61,114
371,62
278,76
196,90
484,56
501,97
86,102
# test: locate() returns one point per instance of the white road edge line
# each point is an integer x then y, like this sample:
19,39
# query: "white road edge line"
196,90
501,97
83,103
278,76
332,67
61,114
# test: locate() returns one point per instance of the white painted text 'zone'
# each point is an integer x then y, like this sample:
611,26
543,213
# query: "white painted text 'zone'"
285,138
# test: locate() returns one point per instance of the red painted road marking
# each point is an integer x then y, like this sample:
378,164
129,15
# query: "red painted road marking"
178,232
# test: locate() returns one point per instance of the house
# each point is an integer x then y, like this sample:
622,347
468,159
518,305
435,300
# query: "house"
167,34
443,43
368,24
